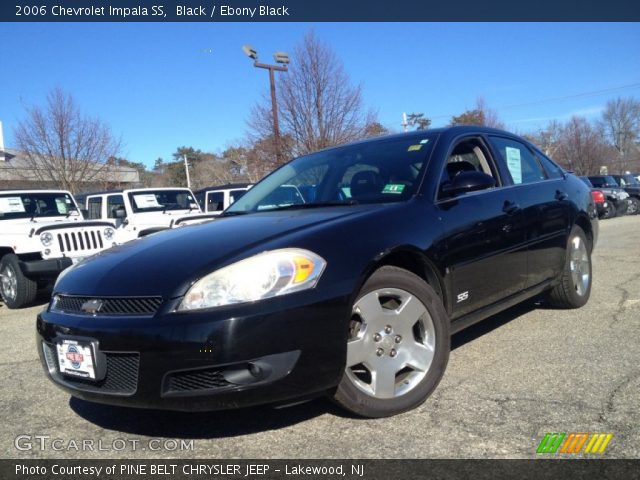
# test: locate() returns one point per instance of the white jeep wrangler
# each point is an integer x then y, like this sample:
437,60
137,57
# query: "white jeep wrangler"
143,211
42,232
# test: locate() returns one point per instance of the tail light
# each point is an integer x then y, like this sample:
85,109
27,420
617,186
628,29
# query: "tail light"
597,196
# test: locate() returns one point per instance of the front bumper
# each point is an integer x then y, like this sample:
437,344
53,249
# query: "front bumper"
269,352
44,268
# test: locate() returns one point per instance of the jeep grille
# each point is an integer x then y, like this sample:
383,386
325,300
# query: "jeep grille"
80,241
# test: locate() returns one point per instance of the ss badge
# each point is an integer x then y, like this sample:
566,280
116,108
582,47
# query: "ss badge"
463,296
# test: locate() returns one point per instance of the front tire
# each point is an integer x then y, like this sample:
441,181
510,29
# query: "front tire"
398,345
574,288
16,289
634,206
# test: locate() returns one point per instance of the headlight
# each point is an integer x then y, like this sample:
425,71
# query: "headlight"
262,276
46,239
108,233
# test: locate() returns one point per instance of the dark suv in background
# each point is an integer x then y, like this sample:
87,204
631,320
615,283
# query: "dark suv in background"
631,185
615,195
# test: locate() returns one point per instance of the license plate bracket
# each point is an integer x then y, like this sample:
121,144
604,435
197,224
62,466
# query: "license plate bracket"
77,358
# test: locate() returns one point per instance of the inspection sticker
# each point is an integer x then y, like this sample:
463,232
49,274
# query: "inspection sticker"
393,188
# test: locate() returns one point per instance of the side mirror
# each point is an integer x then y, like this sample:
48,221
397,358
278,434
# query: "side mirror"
466,182
84,213
120,212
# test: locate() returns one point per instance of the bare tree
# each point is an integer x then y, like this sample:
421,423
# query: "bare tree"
581,147
621,124
480,115
62,146
318,105
419,121
548,138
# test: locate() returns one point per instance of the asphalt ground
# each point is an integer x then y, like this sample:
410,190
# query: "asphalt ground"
510,379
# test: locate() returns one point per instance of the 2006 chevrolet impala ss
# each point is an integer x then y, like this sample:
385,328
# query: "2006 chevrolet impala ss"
343,272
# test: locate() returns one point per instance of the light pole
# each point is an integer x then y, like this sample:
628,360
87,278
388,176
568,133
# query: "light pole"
186,170
282,59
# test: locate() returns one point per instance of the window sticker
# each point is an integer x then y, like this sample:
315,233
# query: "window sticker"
424,141
146,200
62,205
414,148
393,188
514,163
11,205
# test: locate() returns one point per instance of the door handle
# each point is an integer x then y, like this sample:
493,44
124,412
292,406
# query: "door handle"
510,207
560,196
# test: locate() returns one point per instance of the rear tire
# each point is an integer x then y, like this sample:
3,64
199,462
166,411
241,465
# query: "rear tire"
398,345
16,289
634,206
609,211
574,288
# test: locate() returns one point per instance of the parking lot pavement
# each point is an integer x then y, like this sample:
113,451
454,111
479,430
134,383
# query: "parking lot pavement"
510,379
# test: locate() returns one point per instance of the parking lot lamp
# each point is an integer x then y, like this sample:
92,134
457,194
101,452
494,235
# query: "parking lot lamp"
282,59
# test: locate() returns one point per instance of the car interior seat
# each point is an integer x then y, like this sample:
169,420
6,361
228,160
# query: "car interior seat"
366,183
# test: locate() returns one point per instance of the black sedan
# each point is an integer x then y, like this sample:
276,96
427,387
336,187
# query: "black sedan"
351,291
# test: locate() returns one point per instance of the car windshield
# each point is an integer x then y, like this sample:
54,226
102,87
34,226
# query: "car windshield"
629,181
162,200
607,181
36,204
382,171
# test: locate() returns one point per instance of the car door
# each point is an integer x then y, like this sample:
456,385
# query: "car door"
545,203
485,233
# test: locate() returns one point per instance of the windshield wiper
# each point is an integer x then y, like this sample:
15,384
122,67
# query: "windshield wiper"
302,206
232,214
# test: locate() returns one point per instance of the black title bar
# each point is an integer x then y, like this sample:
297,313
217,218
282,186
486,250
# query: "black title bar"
318,11
201,469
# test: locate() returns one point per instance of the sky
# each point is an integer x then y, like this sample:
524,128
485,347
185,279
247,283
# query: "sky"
161,86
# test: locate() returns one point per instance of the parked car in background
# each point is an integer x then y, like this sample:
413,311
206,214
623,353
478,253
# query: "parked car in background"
605,208
632,186
217,198
41,233
354,294
140,212
615,195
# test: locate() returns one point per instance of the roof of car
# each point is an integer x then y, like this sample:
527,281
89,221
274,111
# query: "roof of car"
456,130
106,192
227,186
32,190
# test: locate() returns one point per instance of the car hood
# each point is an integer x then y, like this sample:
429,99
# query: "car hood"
166,263
24,226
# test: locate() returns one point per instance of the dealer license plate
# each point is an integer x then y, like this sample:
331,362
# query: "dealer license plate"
76,359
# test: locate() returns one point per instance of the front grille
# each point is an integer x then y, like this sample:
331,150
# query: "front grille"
191,380
110,305
121,376
80,241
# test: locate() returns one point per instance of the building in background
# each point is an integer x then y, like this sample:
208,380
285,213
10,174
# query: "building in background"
18,172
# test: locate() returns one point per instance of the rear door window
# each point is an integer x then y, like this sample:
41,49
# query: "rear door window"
520,161
114,202
215,201
94,208
552,170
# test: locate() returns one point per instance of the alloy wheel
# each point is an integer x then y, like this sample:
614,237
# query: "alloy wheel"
8,283
579,265
392,343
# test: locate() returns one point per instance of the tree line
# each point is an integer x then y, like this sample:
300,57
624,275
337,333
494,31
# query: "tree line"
319,106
